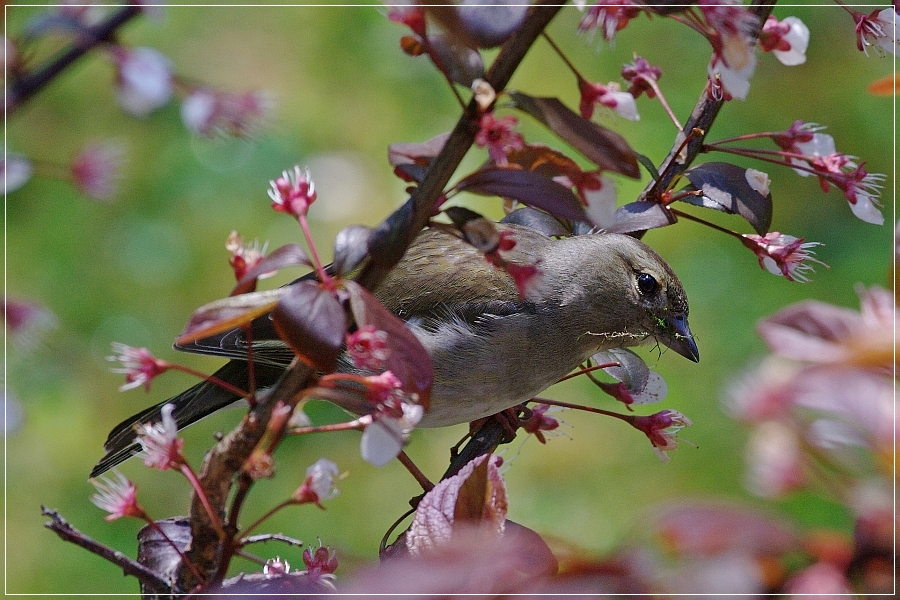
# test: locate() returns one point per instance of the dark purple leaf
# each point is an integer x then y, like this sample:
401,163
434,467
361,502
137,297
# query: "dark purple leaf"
407,358
351,246
288,255
312,322
528,188
734,190
640,216
457,61
606,148
406,153
227,313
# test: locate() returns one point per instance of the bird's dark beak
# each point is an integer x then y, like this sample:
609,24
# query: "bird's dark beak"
679,338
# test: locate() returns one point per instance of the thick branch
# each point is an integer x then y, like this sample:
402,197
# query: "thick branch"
28,85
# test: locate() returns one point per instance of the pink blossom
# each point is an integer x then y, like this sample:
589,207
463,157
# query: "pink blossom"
160,443
609,16
209,112
139,366
244,257
641,74
787,40
319,484
774,460
321,561
610,96
782,254
96,170
380,388
540,421
367,347
276,567
144,80
879,30
860,188
805,140
26,321
822,579
661,429
117,496
498,136
293,192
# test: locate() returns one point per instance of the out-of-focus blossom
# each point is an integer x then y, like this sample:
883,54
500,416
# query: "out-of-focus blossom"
610,96
774,460
97,169
208,112
782,254
410,15
293,192
879,30
498,136
17,171
144,80
160,443
787,40
319,485
822,579
117,496
762,393
244,257
641,74
25,322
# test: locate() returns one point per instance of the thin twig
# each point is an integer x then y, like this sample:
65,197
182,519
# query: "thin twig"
61,527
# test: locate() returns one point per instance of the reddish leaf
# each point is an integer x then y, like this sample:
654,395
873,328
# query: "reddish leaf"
477,493
604,147
223,315
640,216
288,255
312,322
545,160
528,188
535,555
407,358
728,188
539,220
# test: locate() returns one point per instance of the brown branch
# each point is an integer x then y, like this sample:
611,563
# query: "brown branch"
702,118
392,238
23,88
58,525
394,235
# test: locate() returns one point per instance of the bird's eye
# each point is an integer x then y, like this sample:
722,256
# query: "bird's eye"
647,284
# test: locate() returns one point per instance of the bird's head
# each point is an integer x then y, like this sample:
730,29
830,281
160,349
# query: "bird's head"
634,295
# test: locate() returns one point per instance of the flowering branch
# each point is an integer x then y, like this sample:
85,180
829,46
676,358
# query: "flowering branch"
25,87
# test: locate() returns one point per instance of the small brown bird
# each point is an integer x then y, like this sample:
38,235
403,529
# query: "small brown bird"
490,348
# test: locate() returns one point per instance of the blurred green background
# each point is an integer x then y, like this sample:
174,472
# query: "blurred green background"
134,270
